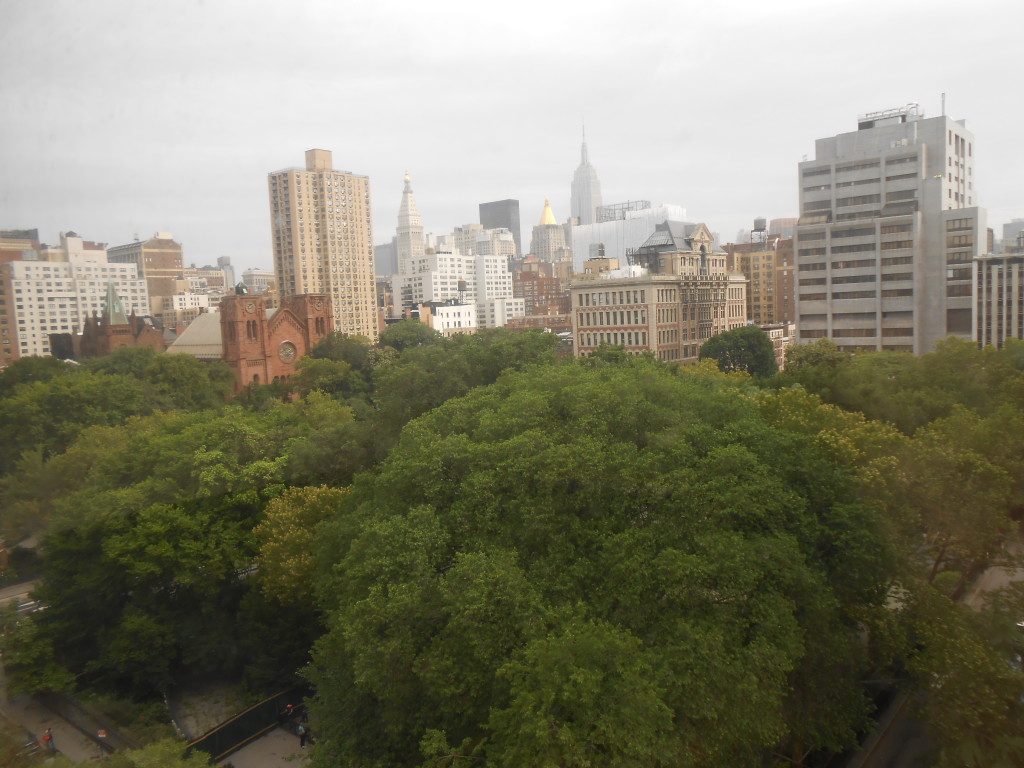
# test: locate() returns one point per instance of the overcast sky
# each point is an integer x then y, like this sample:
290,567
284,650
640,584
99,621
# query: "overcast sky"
120,117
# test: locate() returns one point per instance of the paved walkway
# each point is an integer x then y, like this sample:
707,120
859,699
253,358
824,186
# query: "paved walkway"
33,716
278,749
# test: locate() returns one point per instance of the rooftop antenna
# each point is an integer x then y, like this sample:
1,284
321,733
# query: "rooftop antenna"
943,104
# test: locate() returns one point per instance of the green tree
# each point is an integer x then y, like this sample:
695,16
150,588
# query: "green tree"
29,660
286,540
31,369
746,349
49,415
406,334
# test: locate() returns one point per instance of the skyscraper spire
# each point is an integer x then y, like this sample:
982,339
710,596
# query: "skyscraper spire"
586,189
409,235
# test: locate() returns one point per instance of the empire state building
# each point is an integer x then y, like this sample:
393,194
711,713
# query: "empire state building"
586,190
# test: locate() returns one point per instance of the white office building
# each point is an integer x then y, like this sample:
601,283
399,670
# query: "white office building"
66,285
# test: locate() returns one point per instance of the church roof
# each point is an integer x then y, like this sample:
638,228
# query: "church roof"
113,309
547,218
202,338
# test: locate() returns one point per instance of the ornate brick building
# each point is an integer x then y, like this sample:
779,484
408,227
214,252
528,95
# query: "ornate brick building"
263,346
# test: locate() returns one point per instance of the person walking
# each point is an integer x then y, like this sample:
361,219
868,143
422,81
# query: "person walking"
48,741
302,731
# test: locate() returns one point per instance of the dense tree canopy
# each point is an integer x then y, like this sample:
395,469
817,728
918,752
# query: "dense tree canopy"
602,562
520,537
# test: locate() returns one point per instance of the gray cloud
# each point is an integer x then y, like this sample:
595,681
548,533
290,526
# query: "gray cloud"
122,117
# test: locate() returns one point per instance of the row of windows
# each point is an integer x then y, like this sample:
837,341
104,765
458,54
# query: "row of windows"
607,298
954,224
629,338
886,294
618,317
843,202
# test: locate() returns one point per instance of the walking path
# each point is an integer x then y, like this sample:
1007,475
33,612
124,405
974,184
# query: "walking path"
278,749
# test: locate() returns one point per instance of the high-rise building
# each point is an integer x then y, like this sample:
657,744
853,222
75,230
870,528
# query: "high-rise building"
586,190
503,214
409,236
323,239
889,225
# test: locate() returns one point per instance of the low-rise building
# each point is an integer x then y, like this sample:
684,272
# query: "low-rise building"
682,296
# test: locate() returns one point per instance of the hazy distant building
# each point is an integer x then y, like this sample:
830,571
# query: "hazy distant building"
682,296
585,198
503,214
889,227
258,280
1011,231
462,239
548,241
224,262
323,239
625,227
784,228
385,258
19,244
999,293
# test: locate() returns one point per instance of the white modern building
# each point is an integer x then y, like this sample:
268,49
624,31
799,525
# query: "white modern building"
612,239
889,226
66,285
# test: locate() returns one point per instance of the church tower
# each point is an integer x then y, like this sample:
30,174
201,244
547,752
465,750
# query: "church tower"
243,322
586,189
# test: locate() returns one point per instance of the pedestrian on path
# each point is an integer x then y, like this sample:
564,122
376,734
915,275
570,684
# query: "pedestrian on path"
303,733
48,741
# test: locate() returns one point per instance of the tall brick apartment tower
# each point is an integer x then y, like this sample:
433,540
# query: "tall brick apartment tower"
261,345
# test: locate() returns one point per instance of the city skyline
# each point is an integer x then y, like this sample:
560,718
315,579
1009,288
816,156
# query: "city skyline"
108,134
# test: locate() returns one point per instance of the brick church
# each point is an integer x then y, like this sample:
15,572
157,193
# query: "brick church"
262,346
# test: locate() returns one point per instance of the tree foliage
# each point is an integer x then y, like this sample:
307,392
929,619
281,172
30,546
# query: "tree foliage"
746,349
615,565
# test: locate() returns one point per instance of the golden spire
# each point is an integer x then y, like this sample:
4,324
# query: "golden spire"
547,217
